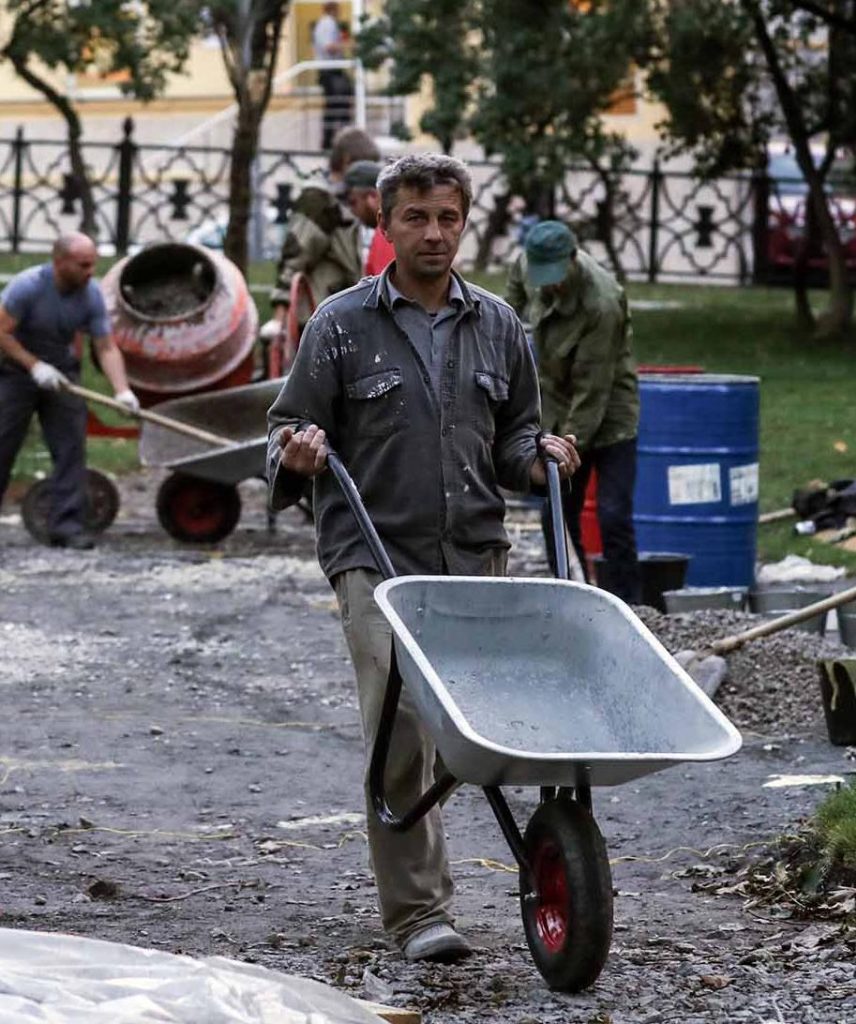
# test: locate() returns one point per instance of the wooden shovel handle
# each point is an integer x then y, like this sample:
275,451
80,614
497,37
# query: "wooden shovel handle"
736,640
151,417
774,517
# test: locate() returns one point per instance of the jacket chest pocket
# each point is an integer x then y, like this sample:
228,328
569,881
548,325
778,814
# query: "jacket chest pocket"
490,393
377,403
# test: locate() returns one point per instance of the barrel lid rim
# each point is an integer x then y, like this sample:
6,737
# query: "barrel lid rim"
698,379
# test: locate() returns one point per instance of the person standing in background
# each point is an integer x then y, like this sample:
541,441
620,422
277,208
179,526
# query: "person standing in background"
328,43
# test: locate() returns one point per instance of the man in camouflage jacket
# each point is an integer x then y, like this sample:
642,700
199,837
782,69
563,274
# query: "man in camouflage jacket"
582,335
322,237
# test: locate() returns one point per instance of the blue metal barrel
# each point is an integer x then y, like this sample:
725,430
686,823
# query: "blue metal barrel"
697,476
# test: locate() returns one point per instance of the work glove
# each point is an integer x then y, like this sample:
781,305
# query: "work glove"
129,400
48,376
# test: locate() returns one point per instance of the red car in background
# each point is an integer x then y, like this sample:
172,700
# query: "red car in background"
786,216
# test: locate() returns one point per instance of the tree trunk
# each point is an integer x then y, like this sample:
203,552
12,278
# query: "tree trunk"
244,146
606,221
497,224
837,318
88,224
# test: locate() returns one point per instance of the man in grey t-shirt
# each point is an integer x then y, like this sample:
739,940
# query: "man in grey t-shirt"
42,310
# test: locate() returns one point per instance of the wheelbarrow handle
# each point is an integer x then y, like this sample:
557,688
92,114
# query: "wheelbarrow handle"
370,534
557,517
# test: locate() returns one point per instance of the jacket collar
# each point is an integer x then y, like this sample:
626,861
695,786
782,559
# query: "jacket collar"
379,293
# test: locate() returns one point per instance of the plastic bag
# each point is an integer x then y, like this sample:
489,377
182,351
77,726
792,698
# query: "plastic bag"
52,978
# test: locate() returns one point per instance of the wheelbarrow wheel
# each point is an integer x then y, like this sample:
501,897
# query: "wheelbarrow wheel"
102,505
566,901
197,511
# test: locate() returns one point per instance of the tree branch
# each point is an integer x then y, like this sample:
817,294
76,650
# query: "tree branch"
826,15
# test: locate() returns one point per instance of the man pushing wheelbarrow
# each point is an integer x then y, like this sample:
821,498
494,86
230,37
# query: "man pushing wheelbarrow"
424,384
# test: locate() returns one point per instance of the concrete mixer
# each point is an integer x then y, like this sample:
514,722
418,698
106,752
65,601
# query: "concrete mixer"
184,320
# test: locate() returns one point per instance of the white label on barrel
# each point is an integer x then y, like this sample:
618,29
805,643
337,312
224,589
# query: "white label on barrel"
695,485
743,481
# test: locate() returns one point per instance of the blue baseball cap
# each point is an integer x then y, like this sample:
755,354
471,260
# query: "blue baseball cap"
550,247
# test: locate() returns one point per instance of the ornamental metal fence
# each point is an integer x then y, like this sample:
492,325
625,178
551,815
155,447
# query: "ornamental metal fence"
652,224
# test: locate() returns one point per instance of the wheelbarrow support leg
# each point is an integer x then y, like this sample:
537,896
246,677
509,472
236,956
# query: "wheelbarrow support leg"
377,767
502,812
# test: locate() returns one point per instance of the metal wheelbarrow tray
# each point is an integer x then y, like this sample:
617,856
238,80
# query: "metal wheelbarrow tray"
535,681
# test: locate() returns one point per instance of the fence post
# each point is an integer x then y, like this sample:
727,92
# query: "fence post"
17,191
760,225
654,225
127,150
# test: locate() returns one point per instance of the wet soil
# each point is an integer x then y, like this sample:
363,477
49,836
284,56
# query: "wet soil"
180,768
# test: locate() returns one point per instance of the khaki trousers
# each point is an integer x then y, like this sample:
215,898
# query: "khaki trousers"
411,868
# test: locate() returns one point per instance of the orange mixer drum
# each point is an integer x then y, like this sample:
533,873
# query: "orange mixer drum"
184,320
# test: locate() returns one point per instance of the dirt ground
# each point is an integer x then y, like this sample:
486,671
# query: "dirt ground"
180,768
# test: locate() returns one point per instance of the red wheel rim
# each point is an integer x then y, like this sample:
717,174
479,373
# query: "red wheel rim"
195,510
551,917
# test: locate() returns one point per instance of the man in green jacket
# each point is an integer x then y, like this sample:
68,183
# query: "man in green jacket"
582,334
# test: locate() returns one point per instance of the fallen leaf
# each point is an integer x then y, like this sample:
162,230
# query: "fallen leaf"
715,981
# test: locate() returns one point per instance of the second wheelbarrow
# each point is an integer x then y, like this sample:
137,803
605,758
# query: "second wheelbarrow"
199,501
545,683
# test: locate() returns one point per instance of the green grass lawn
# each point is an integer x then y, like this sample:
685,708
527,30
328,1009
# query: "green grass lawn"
808,428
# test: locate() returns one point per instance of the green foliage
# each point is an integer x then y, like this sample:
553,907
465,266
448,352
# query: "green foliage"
835,824
432,38
704,69
549,72
529,79
733,76
145,40
722,84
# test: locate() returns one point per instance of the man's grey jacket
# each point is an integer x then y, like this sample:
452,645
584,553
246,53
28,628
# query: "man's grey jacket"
428,465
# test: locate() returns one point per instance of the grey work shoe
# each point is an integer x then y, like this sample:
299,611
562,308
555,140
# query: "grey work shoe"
438,942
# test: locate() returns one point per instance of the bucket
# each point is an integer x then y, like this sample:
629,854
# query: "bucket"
697,473
838,692
774,603
658,571
692,599
847,623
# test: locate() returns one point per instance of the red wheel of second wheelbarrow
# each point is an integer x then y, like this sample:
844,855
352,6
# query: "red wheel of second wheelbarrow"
197,511
566,901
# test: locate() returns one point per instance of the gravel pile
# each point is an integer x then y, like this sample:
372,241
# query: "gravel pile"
772,683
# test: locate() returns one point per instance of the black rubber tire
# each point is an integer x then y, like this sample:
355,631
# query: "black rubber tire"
102,505
197,511
567,905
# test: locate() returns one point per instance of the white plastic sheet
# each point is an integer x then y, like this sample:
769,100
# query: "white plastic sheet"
797,569
52,978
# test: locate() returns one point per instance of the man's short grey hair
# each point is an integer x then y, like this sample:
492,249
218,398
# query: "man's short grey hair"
421,172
